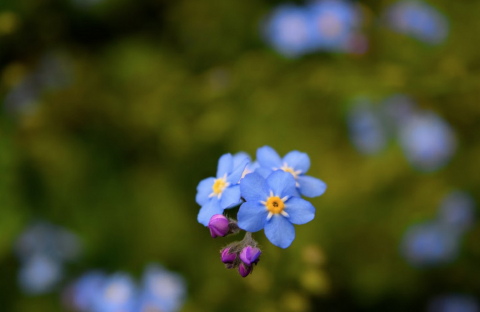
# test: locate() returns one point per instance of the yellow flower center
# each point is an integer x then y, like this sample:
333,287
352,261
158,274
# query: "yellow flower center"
275,204
219,185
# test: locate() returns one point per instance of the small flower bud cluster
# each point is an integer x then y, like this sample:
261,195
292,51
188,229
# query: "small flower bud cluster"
242,255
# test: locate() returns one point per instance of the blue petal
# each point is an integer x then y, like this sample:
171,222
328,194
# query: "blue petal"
297,161
254,188
264,172
310,186
239,157
280,231
230,197
299,210
236,175
225,165
281,183
252,216
267,157
204,189
208,210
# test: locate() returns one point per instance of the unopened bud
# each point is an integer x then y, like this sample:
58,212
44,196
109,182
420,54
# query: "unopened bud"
244,269
218,225
250,255
228,257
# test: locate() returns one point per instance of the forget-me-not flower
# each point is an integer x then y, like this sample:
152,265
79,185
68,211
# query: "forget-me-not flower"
332,24
288,30
430,244
161,290
295,163
427,140
271,204
40,274
457,211
454,303
84,290
419,20
222,192
118,293
366,129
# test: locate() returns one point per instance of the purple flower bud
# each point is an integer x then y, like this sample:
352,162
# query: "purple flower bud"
228,257
250,255
244,269
218,225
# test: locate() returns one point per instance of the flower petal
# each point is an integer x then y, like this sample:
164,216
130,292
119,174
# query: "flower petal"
204,189
230,197
264,172
211,208
299,210
225,165
239,157
297,160
267,157
253,187
237,172
280,231
310,186
281,183
252,216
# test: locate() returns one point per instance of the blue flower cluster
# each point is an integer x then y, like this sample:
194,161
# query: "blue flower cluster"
419,20
335,26
268,190
437,242
328,25
426,139
160,290
43,249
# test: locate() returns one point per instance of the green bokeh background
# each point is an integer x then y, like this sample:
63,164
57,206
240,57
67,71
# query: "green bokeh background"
160,89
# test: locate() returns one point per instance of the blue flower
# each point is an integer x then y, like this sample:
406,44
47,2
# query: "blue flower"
366,129
457,211
454,303
427,140
222,192
85,289
295,163
430,244
162,290
287,30
332,24
40,274
418,19
240,157
117,293
271,204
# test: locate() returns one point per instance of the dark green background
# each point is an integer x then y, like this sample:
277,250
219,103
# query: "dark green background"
160,89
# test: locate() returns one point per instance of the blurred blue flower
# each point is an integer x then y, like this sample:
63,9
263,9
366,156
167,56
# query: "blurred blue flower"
295,163
117,293
39,274
47,239
457,211
84,289
427,140
222,192
271,204
366,129
429,244
454,303
287,29
162,290
333,24
419,20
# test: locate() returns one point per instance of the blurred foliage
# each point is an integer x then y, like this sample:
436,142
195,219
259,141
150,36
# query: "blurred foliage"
160,89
